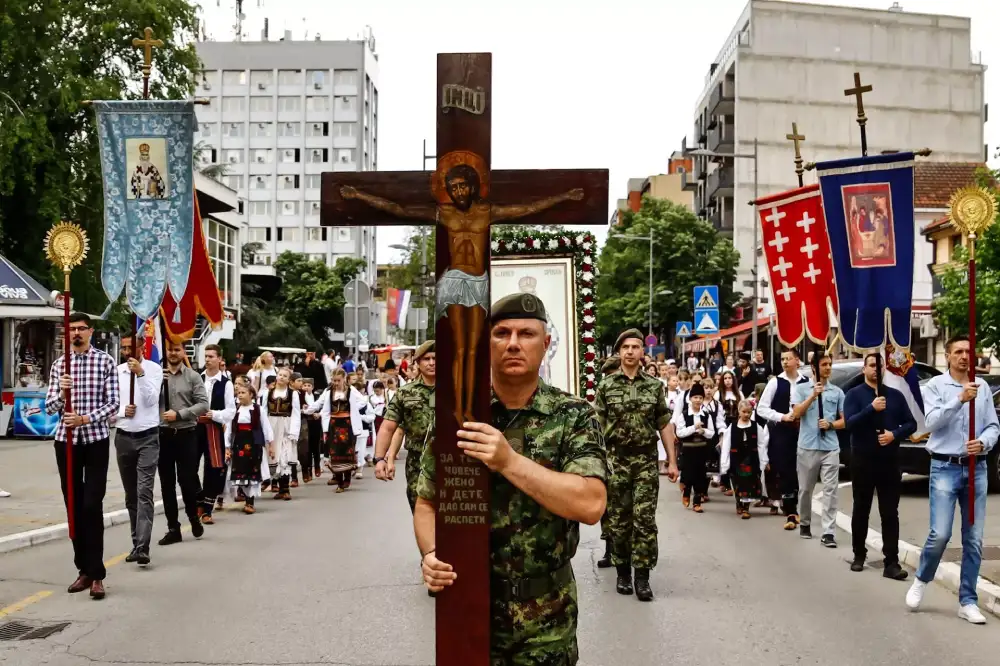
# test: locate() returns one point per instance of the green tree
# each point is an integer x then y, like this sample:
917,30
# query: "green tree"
312,293
687,252
54,55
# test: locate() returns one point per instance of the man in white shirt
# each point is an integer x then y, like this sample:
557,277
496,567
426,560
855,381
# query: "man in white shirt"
211,431
137,444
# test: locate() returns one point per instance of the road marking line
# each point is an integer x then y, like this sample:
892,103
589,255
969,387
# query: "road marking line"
118,559
24,603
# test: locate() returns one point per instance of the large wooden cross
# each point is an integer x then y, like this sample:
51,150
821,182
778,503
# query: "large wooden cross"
464,197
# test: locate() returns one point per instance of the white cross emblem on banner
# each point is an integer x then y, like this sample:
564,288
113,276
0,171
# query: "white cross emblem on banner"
779,241
809,247
786,291
775,217
806,221
812,273
782,266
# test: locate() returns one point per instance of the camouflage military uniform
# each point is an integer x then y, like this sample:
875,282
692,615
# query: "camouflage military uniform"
528,543
632,412
412,408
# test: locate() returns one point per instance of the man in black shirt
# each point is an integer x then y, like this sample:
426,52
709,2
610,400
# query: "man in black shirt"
878,419
759,370
313,369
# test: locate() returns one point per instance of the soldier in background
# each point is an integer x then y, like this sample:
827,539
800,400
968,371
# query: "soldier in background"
555,484
632,410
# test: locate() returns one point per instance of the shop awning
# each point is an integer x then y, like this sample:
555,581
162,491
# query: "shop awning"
698,345
29,312
17,288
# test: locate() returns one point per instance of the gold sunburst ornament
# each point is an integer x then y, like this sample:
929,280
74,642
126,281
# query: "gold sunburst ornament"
972,210
66,245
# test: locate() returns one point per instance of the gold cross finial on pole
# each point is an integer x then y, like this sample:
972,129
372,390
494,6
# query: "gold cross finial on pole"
858,91
795,138
146,44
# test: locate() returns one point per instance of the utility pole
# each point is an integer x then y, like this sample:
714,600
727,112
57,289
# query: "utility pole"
423,252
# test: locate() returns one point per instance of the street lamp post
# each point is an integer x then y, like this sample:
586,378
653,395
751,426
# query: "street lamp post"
702,152
648,239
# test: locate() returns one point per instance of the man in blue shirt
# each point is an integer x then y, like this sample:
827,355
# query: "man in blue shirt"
348,365
819,406
946,404
878,419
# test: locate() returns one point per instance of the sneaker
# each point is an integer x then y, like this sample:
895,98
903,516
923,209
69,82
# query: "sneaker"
171,537
828,541
197,529
916,594
971,613
142,559
858,565
4,493
805,532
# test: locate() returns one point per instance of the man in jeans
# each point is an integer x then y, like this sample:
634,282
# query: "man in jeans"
878,419
184,400
946,404
137,444
819,406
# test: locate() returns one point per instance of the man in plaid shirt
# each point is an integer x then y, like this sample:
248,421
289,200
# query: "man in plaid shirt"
94,393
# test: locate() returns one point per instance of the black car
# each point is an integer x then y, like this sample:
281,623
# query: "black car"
913,457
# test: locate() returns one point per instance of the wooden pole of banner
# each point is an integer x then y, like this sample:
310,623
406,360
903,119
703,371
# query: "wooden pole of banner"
972,211
66,247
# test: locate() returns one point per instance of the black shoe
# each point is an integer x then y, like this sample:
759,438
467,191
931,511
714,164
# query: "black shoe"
171,537
605,562
643,592
828,541
624,585
197,529
142,558
858,565
131,557
895,572
805,532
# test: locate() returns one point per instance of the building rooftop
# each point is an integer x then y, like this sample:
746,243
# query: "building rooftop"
935,182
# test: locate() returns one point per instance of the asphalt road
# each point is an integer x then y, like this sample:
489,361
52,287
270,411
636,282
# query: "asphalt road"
332,579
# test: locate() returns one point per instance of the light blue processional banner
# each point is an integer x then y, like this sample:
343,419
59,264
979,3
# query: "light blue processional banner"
147,153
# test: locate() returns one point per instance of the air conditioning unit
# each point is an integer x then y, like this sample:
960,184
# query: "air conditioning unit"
318,85
927,327
233,125
261,125
260,179
205,85
317,153
344,158
233,159
288,179
261,86
315,205
260,158
318,127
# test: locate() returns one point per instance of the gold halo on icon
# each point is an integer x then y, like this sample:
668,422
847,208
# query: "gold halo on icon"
452,160
972,209
66,245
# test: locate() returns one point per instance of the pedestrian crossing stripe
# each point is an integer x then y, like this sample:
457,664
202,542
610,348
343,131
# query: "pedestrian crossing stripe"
707,324
705,301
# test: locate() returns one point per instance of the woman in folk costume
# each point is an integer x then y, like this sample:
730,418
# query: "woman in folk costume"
744,456
728,397
284,412
247,437
338,430
378,402
695,428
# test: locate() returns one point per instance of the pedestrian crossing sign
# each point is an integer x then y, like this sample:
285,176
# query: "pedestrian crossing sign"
706,297
683,329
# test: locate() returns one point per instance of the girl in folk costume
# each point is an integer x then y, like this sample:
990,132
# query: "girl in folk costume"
743,456
361,417
378,403
771,495
672,396
728,397
302,443
338,429
247,437
314,433
695,428
284,412
391,385
714,411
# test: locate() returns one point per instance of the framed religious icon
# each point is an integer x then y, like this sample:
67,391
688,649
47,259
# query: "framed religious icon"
146,166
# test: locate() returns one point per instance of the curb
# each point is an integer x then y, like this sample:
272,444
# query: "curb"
23,540
948,574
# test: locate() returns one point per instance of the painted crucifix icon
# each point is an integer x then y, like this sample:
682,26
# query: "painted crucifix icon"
464,197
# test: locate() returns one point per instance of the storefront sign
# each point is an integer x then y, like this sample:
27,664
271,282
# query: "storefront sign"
13,293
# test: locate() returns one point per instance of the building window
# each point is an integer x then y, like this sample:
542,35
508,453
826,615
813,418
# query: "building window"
260,208
261,130
262,104
289,103
222,253
313,181
347,104
312,208
259,234
347,155
232,156
289,182
261,183
261,77
345,77
343,234
317,257
316,234
289,207
290,129
319,155
233,182
235,130
317,77
290,155
317,103
289,77
234,78
234,104
261,156
349,130
209,79
319,129
205,130
261,259
954,243
289,234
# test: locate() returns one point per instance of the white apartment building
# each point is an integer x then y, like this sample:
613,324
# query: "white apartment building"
282,113
788,62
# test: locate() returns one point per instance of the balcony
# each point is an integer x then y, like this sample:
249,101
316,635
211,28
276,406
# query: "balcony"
720,183
722,102
688,182
721,218
721,139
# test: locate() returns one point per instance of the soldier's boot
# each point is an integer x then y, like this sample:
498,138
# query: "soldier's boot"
643,592
605,562
624,585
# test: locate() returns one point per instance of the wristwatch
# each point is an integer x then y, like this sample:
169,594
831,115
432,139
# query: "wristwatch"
382,459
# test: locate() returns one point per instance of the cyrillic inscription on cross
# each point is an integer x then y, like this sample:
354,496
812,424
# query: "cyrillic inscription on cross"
464,197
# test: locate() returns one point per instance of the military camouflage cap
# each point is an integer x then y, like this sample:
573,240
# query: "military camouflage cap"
628,335
518,306
423,349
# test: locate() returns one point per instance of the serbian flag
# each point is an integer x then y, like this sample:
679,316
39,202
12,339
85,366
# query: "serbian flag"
202,296
869,214
797,250
149,333
901,374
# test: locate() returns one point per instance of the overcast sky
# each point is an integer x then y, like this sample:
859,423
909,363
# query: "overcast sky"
576,84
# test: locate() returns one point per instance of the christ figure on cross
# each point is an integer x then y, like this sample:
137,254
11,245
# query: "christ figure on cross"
460,186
